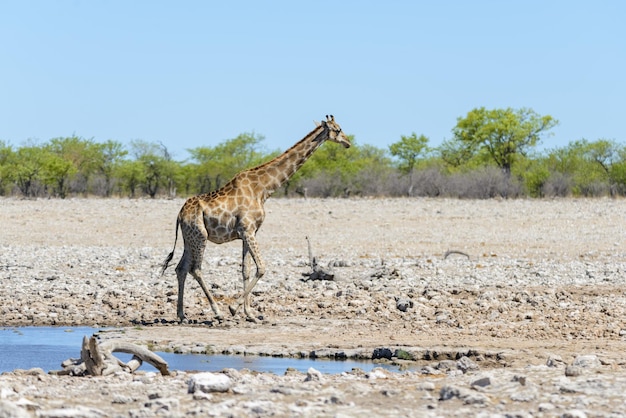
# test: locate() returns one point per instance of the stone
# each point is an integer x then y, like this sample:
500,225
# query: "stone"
446,365
546,407
573,371
468,396
11,410
209,382
574,413
555,361
164,406
481,382
466,364
587,361
377,373
75,412
526,395
404,304
313,375
382,352
427,386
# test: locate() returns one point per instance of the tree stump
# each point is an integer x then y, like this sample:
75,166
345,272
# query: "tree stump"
317,272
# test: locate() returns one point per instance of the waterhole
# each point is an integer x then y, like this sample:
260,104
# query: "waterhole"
48,347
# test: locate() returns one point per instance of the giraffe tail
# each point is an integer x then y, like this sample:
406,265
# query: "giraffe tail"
168,259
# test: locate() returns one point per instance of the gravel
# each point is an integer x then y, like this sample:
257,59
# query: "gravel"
530,323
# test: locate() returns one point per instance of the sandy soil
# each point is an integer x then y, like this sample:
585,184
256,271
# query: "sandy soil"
537,309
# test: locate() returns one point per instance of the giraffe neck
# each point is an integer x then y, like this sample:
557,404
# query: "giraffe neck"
276,172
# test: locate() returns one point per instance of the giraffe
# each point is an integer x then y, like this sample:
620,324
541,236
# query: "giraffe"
236,212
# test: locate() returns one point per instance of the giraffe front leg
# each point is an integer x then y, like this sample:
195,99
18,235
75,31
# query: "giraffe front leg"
245,272
253,250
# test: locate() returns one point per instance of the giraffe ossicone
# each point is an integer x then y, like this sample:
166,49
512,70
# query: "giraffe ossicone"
236,212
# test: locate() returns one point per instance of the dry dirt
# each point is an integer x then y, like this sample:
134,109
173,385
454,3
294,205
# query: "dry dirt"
531,323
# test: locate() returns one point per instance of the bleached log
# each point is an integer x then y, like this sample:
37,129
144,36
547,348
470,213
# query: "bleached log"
98,359
139,353
91,356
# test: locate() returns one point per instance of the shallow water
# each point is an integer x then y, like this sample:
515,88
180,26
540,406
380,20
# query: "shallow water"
44,347
48,347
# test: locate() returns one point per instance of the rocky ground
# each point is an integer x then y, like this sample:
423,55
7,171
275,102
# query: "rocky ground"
531,323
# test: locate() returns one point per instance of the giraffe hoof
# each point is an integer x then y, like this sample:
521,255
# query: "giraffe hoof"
233,310
220,318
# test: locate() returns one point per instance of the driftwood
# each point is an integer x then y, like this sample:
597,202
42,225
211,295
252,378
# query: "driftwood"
317,272
98,359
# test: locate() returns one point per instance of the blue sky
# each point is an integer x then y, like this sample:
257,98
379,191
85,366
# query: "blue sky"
194,73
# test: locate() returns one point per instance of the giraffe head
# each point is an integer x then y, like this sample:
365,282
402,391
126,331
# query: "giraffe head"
335,133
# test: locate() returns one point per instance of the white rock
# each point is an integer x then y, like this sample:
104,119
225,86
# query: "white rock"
377,374
574,413
209,382
11,410
590,360
75,412
313,375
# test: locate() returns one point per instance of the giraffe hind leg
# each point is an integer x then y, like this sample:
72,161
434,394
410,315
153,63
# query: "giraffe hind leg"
190,263
181,273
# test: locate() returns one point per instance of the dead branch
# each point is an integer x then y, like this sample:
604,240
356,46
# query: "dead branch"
317,272
450,252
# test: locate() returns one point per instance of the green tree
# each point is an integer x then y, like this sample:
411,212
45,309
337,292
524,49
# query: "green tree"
25,168
157,166
336,171
216,165
503,134
617,173
110,156
608,155
58,171
71,159
603,152
333,159
457,156
187,179
586,164
408,150
131,175
6,154
534,173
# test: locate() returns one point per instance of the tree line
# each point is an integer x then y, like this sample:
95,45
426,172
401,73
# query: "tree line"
492,153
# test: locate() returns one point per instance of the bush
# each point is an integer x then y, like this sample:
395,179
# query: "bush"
484,183
430,182
558,185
